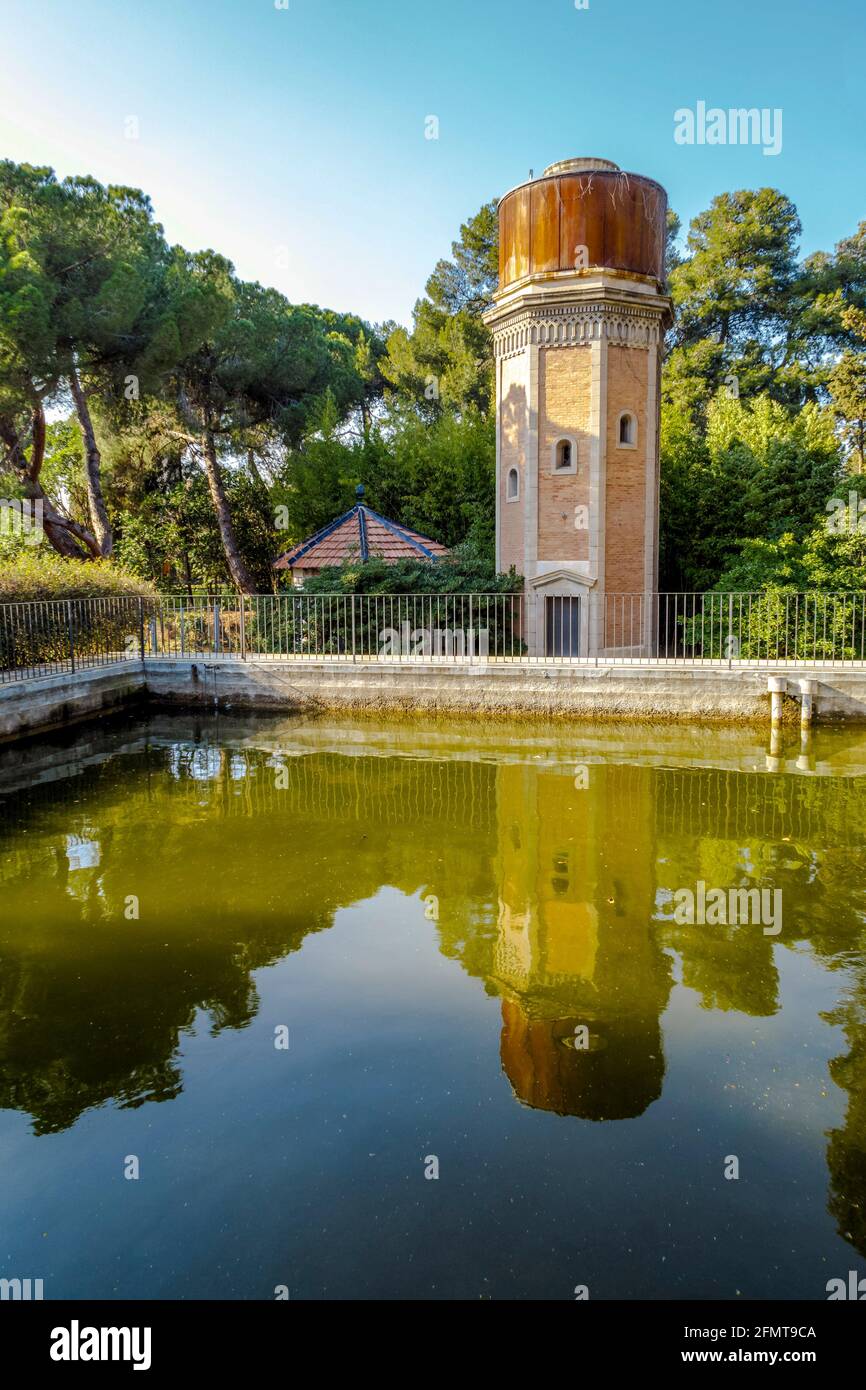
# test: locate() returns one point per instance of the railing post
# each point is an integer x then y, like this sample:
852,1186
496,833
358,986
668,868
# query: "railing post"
596,622
216,626
141,626
471,631
243,627
71,633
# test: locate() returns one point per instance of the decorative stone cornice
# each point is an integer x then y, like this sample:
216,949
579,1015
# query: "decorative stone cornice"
577,326
559,309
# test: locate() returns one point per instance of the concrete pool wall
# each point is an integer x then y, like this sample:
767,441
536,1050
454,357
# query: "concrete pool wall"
51,702
607,691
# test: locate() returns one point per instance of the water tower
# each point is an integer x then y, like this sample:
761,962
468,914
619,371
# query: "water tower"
578,323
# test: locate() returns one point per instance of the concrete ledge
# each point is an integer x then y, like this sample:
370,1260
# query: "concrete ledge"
614,691
281,685
495,690
49,702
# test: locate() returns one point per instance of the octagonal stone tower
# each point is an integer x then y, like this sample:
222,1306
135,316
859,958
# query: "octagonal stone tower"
578,323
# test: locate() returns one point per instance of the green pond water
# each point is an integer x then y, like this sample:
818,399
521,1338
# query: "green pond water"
287,970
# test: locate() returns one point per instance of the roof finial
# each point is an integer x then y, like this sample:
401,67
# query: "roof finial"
359,491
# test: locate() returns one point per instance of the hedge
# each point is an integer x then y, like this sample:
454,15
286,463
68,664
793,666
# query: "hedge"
31,577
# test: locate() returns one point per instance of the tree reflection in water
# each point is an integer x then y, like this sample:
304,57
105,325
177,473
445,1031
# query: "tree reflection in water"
554,895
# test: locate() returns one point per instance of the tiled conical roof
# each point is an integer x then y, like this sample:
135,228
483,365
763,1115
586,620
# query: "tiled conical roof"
360,534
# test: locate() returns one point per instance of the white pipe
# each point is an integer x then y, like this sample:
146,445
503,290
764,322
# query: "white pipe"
777,686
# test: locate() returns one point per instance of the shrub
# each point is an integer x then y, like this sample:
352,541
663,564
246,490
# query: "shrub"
33,576
410,595
465,571
51,607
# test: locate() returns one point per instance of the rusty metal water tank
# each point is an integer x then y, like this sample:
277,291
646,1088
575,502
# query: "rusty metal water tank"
583,203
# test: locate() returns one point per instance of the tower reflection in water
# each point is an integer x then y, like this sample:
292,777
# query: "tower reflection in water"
582,979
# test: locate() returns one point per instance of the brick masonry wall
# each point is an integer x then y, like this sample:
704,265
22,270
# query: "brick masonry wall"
564,381
625,529
513,429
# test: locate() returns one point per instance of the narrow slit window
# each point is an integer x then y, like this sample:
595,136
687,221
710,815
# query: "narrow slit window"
512,487
627,430
565,457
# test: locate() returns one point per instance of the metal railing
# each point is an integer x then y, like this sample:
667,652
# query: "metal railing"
394,627
751,629
49,637
719,629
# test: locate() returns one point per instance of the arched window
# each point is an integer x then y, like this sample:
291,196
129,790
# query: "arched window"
565,456
627,430
512,485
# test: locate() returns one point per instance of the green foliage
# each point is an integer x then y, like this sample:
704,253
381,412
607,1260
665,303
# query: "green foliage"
43,576
440,479
673,258
437,479
464,572
755,471
469,281
82,283
821,561
317,481
171,538
733,296
70,618
776,624
358,352
446,362
351,617
847,383
63,470
247,408
89,289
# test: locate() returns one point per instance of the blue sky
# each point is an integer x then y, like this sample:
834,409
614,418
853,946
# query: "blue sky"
293,140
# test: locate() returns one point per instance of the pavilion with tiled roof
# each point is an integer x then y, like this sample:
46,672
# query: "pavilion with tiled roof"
359,534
